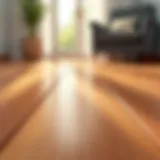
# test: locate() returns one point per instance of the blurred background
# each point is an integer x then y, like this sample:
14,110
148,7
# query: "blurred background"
66,26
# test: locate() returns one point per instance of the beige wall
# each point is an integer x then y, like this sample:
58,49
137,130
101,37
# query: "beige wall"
47,28
94,10
17,29
156,3
4,26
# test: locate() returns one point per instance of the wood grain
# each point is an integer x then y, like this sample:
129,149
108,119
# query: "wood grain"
76,109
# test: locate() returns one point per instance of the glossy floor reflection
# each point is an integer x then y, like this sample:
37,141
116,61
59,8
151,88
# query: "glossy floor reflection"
74,109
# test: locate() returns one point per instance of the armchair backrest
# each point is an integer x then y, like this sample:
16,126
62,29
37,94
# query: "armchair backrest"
143,10
144,14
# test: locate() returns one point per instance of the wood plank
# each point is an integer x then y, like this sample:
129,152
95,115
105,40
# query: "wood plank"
20,98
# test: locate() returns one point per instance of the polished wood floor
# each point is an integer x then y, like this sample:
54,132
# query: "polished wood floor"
76,109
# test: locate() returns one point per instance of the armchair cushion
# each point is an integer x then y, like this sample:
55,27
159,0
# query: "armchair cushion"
123,25
123,39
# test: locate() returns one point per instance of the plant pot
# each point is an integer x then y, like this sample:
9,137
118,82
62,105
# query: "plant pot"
32,48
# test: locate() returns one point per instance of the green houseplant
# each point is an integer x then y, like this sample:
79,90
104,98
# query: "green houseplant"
32,12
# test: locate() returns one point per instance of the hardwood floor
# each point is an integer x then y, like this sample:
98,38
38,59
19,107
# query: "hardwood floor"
75,109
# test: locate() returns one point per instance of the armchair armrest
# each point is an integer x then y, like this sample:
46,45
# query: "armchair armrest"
99,32
151,35
100,29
